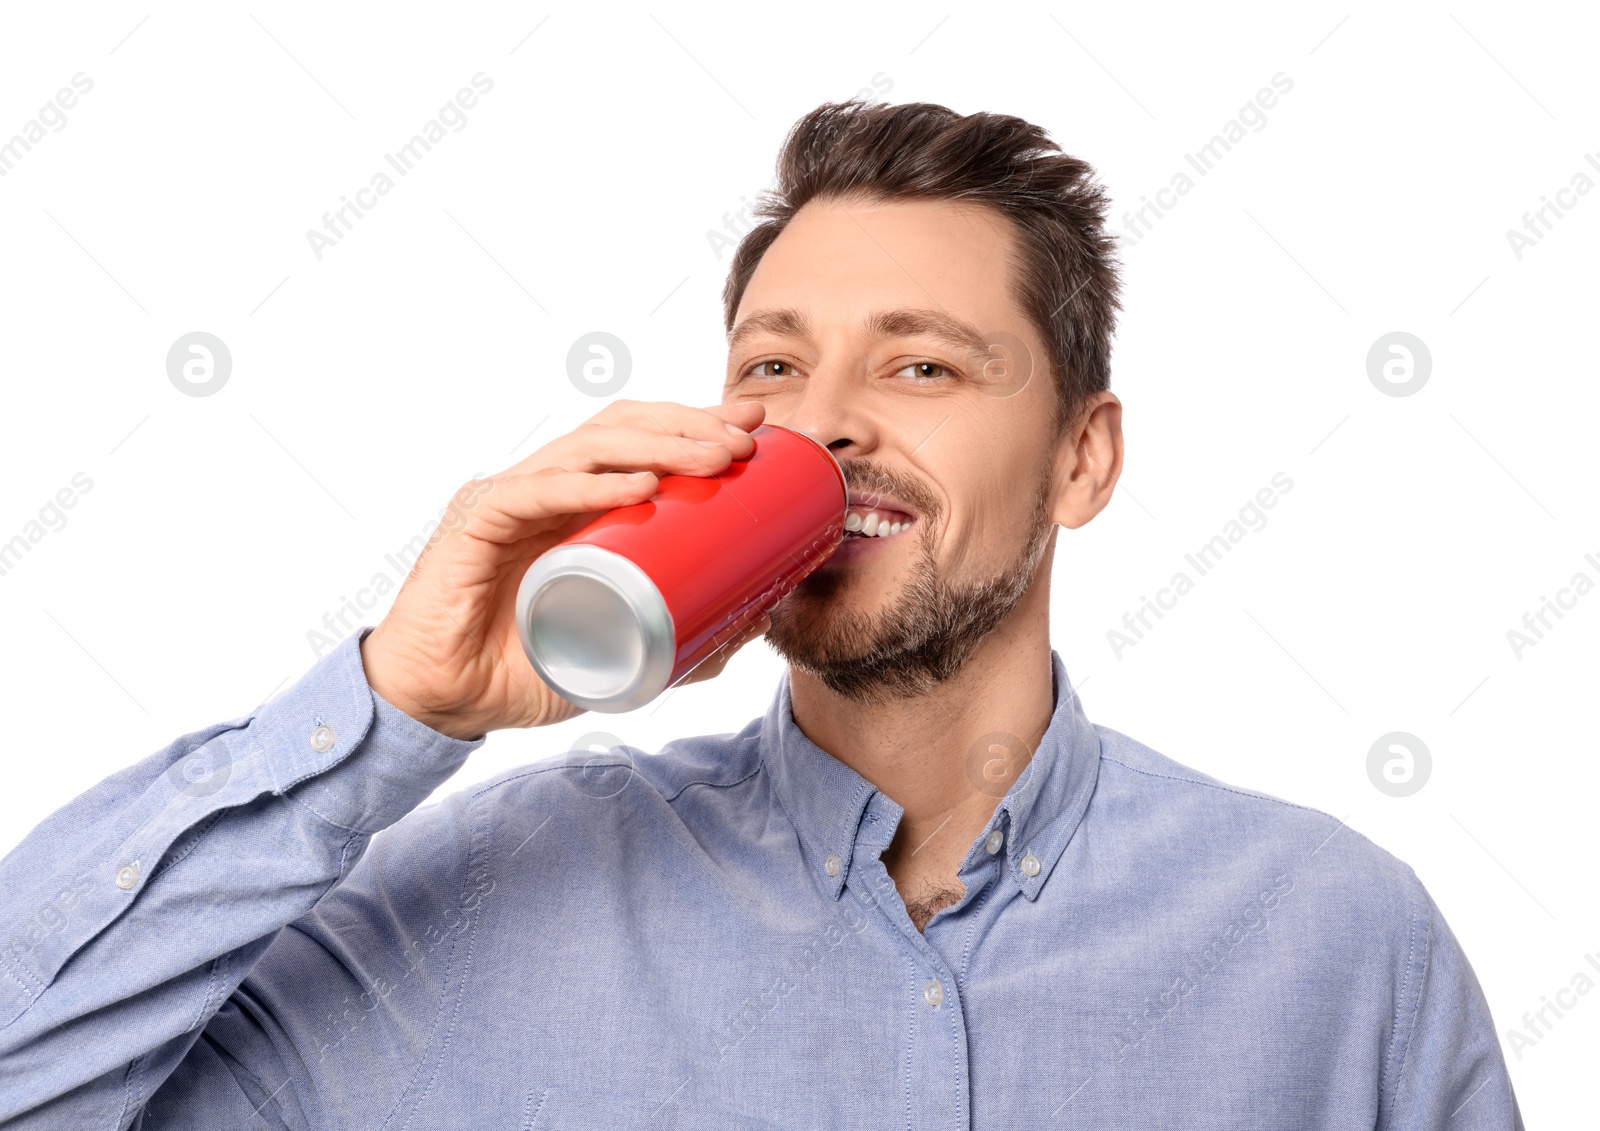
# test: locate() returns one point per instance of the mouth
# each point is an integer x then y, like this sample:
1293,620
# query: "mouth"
880,518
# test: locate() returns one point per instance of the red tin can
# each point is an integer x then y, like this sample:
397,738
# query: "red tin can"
624,608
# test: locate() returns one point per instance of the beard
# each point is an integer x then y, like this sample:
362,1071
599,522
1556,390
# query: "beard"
927,632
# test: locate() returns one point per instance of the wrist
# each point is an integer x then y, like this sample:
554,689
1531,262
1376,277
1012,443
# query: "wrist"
445,723
393,689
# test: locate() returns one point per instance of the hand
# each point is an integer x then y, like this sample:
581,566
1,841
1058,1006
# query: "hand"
448,653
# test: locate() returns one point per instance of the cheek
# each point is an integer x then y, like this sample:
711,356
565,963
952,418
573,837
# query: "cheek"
986,525
992,454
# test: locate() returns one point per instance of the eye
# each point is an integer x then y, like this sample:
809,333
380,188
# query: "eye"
927,371
760,369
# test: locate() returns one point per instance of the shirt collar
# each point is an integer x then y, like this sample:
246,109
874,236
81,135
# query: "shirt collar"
826,799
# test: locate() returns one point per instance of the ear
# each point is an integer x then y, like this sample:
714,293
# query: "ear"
1088,460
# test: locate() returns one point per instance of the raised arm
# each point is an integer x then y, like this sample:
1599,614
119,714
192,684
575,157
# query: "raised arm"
133,913
132,919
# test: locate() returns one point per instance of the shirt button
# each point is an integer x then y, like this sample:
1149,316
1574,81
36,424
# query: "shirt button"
1030,865
995,843
128,875
933,993
322,739
831,865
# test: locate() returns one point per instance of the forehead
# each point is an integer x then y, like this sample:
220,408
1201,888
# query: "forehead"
837,257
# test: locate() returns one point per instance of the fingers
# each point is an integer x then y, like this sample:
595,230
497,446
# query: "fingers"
741,414
720,423
629,448
526,504
590,469
671,419
636,429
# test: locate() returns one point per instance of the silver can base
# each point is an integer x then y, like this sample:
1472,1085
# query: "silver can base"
595,628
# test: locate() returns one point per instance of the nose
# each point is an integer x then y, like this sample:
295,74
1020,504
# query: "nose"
832,409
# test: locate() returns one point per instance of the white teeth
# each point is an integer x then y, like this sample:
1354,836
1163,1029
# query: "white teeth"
872,524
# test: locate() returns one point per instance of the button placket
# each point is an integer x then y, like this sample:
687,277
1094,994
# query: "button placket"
938,1052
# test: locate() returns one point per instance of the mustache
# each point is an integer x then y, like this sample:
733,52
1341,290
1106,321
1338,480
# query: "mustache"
867,477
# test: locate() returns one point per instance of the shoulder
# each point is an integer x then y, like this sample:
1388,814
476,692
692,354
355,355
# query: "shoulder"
603,767
1169,815
1348,925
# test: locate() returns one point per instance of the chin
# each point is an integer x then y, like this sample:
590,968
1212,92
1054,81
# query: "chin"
912,641
904,648
819,623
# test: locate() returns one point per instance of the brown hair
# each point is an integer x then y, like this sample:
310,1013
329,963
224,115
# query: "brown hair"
1067,280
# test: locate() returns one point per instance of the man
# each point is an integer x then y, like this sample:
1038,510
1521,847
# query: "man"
922,891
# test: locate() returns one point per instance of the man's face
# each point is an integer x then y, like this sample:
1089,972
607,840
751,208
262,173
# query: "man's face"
950,444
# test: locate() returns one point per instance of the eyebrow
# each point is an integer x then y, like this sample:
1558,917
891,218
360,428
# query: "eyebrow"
902,323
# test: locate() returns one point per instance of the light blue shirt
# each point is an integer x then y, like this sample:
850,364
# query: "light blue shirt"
706,937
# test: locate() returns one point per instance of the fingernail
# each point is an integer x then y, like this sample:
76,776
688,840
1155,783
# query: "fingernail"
710,443
736,433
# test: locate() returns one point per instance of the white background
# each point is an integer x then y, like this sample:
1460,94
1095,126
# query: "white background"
431,341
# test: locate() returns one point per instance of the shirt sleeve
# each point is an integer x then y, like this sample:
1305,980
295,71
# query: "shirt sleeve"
1448,1070
132,914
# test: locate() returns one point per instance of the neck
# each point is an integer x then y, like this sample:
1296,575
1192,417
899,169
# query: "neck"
920,750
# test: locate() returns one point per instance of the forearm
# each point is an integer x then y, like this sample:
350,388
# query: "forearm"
132,913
